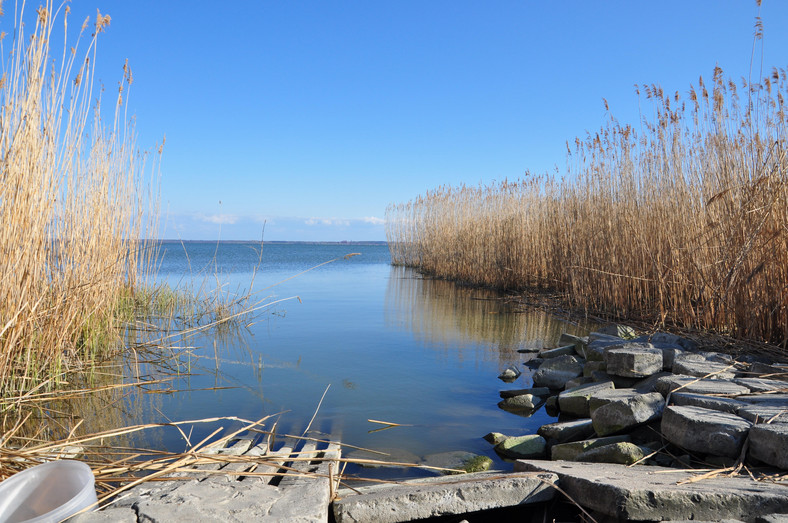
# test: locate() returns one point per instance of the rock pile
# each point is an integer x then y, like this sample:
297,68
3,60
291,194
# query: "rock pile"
654,400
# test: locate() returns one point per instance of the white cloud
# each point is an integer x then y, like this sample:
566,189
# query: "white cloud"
327,221
221,219
374,220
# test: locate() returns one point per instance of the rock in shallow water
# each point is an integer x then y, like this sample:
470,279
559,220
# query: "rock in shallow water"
529,446
511,373
457,460
555,372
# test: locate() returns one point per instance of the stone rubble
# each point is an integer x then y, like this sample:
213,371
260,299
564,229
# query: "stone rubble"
657,401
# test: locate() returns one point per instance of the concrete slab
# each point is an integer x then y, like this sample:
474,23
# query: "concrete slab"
654,493
418,499
108,515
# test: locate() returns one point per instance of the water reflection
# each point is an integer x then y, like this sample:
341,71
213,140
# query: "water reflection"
458,320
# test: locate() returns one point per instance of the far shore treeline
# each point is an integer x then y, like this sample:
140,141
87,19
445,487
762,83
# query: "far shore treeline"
679,219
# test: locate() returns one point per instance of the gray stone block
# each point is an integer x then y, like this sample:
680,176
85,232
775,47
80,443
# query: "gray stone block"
420,499
576,382
633,360
691,384
650,493
605,396
555,372
579,342
528,446
702,368
534,391
566,431
769,443
574,401
687,399
595,350
762,384
620,331
628,412
707,431
566,350
570,451
591,366
763,414
773,400
108,515
523,402
623,453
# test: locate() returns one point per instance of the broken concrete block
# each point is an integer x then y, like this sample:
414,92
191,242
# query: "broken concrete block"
762,384
633,360
516,447
688,399
702,368
522,405
555,372
563,432
570,451
566,350
534,391
647,493
691,384
707,431
427,498
769,443
623,453
574,401
627,412
576,382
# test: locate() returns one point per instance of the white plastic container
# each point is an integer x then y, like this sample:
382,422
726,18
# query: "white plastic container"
50,492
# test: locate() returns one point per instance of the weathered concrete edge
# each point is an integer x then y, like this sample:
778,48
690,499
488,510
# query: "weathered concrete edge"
417,499
646,493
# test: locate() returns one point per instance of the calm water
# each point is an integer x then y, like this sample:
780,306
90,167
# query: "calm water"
391,345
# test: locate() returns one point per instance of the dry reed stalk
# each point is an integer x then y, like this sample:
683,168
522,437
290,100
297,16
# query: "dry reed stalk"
683,222
74,204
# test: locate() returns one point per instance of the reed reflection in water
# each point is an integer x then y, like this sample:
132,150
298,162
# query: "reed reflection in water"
468,323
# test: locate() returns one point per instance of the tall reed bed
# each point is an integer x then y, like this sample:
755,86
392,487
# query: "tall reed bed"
74,202
682,219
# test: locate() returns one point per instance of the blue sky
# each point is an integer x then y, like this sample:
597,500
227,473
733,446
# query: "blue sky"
311,117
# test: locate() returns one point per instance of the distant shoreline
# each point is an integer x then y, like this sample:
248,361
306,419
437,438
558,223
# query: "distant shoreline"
278,242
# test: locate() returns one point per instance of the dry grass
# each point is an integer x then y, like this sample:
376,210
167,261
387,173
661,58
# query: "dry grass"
74,203
682,220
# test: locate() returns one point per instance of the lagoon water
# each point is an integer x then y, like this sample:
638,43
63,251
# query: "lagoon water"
389,345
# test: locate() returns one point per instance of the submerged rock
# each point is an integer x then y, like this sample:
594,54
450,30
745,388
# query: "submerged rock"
534,391
522,405
555,372
517,447
494,437
392,455
511,373
458,460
